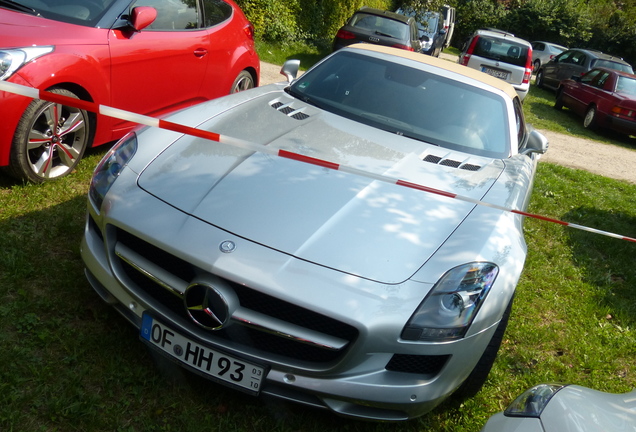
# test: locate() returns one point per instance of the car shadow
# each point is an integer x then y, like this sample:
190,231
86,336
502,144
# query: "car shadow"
606,262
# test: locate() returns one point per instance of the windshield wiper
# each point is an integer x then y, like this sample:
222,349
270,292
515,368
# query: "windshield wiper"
10,4
379,33
304,98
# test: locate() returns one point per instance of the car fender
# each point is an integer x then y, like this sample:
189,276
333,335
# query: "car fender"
86,75
243,59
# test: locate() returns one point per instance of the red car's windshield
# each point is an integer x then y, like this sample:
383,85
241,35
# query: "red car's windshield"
74,11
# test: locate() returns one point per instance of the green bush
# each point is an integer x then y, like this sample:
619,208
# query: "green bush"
314,21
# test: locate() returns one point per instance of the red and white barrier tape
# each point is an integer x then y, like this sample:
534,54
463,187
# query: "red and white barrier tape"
175,127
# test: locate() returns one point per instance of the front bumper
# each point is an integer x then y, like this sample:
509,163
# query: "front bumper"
376,376
12,107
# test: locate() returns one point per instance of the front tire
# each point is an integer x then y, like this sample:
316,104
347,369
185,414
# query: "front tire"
49,141
589,121
539,79
475,381
537,65
243,81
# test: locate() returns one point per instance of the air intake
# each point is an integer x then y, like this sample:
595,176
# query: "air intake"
289,110
437,160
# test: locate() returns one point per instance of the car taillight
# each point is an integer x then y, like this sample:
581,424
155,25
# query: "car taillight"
249,31
623,112
528,73
404,47
466,57
343,34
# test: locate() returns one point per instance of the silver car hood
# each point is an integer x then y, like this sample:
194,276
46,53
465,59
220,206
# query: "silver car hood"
347,222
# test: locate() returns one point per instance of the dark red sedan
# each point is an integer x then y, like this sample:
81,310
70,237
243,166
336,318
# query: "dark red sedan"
147,56
606,98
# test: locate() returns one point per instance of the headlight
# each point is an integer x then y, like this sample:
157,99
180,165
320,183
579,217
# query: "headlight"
13,59
450,307
110,167
533,401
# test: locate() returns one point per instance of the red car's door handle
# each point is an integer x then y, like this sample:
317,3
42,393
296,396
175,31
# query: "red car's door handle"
200,52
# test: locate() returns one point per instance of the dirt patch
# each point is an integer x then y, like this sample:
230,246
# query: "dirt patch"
580,153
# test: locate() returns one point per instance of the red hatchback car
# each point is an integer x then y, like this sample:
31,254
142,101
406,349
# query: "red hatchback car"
146,56
606,98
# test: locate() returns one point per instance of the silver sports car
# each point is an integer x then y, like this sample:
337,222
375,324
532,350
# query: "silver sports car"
560,408
350,241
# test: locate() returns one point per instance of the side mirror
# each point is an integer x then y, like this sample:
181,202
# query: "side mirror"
290,69
443,32
576,78
142,16
537,143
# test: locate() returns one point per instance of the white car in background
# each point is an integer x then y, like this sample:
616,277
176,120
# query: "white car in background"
561,408
543,52
306,255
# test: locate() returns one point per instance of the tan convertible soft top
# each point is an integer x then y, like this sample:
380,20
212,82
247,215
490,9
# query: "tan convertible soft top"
444,64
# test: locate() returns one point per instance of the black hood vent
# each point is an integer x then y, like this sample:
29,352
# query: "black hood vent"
289,111
451,163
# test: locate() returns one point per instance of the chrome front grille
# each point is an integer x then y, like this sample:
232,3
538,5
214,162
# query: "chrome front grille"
264,325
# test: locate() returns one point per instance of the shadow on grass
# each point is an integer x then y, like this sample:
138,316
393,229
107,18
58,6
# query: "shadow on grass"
71,362
607,262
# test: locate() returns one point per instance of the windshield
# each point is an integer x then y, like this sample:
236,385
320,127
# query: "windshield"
408,101
84,12
501,49
381,25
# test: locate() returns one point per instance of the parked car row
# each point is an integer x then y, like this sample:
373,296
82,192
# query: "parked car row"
417,30
575,62
599,87
121,53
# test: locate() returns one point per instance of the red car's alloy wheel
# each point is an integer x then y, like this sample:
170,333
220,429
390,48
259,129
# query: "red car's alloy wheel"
50,140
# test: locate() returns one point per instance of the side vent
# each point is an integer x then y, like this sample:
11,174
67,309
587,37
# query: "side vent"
289,111
451,163
299,116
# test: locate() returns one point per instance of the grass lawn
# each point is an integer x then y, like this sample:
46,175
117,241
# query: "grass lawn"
71,363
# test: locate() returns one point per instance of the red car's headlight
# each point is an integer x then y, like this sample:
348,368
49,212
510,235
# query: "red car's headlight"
13,59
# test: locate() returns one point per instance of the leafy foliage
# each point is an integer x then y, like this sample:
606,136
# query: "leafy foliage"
606,25
315,21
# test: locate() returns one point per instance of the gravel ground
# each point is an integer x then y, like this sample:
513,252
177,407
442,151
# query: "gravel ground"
598,158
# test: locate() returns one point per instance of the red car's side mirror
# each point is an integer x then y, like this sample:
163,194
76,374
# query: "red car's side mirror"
142,17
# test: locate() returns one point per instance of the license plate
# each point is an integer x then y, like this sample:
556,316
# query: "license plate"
496,73
212,363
